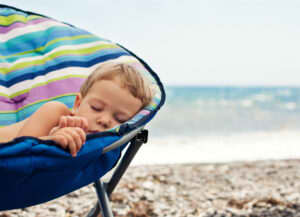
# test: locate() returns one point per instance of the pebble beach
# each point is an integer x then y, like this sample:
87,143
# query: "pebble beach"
237,189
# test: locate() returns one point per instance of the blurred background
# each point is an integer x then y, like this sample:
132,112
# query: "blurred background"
230,69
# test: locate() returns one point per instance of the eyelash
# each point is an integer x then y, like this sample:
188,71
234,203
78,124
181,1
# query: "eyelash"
99,109
96,108
120,121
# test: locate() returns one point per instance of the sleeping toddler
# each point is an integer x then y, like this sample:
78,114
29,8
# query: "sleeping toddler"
111,95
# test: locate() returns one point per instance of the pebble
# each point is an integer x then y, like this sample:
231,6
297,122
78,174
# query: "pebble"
241,189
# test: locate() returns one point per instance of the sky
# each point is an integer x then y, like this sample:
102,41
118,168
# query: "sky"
195,42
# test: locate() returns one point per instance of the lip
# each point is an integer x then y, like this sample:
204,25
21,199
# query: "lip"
91,132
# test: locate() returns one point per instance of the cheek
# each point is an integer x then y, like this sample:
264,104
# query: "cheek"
84,111
115,123
90,119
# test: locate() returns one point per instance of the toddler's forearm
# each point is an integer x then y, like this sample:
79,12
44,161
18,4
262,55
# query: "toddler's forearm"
43,120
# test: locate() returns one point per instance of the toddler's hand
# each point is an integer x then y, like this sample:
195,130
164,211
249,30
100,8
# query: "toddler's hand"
73,121
70,137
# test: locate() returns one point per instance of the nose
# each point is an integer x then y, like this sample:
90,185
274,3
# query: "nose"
105,121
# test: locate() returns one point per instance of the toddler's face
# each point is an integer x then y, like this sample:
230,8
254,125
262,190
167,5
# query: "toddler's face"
106,105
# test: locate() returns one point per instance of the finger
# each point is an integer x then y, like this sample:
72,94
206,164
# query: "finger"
77,122
62,122
70,121
76,137
85,124
60,140
79,136
82,134
63,142
54,130
71,145
82,123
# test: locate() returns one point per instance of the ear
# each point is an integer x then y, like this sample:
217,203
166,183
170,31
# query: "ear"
77,102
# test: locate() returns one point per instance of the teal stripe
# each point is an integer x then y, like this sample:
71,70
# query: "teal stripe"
29,110
10,118
9,11
6,119
50,48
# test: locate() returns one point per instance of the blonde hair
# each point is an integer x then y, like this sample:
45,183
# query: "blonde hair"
128,76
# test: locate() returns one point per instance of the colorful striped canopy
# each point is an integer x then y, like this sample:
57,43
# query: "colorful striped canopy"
42,59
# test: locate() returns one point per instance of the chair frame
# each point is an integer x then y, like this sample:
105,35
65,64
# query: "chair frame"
136,139
104,189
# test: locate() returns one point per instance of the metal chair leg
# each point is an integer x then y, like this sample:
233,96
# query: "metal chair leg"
105,189
103,199
103,205
94,212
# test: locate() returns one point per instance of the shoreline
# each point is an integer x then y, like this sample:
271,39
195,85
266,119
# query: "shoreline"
260,188
242,146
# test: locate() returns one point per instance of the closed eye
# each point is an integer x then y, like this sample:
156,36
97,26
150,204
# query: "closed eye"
96,108
120,120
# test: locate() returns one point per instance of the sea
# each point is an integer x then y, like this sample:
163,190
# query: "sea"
215,124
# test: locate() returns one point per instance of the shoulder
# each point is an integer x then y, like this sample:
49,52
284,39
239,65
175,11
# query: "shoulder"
57,107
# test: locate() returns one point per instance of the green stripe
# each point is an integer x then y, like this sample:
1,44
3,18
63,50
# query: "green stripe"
8,20
41,84
78,52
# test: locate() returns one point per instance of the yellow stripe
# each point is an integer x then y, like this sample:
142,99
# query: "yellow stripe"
54,55
8,20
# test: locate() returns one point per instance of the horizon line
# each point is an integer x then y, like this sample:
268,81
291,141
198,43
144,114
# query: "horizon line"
234,85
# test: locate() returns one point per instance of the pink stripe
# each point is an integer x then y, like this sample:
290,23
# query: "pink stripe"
6,29
144,112
66,86
6,106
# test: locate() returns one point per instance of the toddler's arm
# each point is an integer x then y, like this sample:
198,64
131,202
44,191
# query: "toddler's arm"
44,125
44,119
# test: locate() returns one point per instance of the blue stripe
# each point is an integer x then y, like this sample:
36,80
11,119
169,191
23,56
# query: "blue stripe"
8,11
50,48
58,60
61,66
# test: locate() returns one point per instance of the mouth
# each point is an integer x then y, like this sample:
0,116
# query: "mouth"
92,132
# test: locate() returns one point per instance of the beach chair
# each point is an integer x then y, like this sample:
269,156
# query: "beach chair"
43,59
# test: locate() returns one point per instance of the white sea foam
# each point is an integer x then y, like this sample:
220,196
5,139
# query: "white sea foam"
284,92
247,103
290,106
281,144
262,97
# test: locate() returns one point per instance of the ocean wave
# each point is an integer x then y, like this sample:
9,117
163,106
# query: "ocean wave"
290,106
262,97
280,144
284,92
